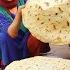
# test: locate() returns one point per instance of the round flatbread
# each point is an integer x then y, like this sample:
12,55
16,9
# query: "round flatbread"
48,20
40,63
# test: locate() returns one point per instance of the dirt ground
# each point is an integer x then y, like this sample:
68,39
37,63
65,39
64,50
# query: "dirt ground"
59,51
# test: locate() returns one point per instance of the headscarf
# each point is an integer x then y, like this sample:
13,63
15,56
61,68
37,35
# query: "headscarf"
8,4
21,2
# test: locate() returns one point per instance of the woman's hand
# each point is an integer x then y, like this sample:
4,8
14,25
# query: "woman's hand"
15,26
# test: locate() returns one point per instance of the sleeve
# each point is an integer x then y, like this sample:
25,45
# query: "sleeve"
23,28
36,46
21,2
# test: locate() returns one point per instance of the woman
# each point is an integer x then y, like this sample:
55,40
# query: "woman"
15,43
12,47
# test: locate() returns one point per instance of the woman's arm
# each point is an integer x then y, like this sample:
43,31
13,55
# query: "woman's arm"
14,27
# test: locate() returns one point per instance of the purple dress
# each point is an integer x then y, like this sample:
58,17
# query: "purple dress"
12,49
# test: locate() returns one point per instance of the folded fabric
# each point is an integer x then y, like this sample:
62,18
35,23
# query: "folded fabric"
36,46
13,49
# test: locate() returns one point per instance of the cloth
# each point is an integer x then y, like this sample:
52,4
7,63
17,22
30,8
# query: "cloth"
22,2
36,47
11,49
8,4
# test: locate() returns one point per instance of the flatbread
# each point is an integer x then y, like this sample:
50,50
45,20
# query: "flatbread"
48,20
40,63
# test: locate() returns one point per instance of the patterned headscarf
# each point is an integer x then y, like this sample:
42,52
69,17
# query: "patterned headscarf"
21,2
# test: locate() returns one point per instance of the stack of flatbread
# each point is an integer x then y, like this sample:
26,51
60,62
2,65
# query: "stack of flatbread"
40,63
48,20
